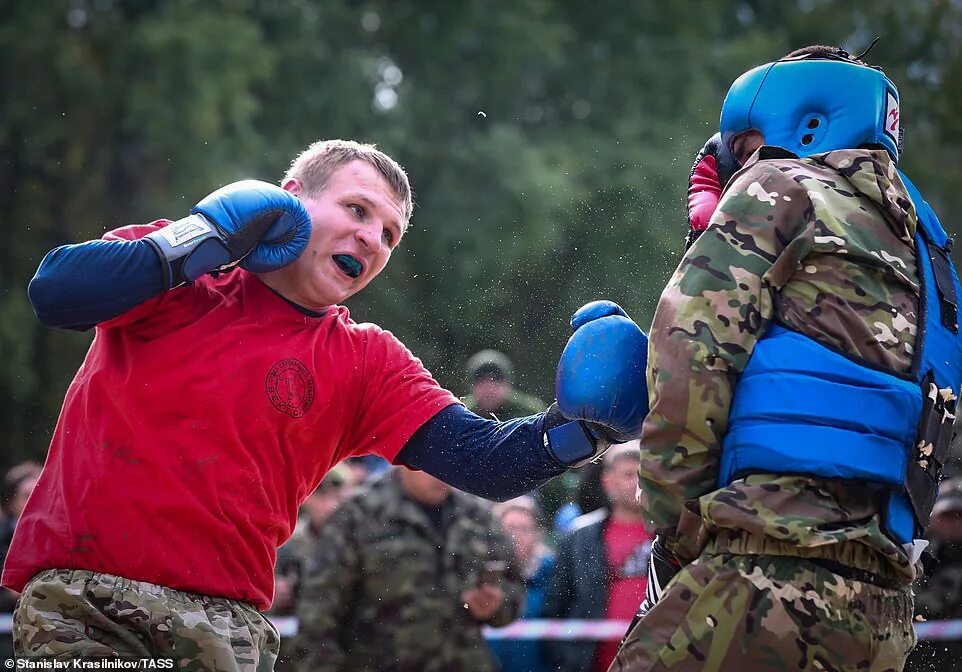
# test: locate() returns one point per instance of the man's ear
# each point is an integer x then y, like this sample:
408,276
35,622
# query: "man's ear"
293,185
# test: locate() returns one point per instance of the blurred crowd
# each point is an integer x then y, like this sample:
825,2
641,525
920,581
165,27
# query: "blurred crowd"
15,488
390,568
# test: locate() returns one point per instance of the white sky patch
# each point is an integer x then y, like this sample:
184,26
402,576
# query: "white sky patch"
758,191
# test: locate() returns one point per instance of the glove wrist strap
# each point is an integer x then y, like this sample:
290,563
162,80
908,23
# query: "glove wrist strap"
189,248
570,441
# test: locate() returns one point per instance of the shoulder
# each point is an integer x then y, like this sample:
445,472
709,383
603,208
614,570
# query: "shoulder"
373,336
588,523
766,205
545,564
770,167
362,329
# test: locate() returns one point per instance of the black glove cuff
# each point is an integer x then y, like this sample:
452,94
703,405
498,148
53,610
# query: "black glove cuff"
570,441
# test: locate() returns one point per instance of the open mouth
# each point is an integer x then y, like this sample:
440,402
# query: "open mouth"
348,265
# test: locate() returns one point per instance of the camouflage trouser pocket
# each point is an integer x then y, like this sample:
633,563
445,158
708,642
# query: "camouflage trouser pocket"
729,612
65,614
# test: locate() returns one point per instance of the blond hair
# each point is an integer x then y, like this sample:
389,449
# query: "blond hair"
314,166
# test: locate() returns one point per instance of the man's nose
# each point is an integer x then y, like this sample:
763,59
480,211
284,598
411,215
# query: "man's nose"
369,235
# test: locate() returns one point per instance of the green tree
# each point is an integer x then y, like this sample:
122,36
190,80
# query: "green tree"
549,144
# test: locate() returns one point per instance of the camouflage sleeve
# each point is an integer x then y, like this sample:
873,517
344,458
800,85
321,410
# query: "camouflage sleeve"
513,584
716,306
324,602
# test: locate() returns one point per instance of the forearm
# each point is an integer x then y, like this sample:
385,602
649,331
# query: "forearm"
491,459
78,286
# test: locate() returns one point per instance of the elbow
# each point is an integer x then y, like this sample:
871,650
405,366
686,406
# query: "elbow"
46,292
41,293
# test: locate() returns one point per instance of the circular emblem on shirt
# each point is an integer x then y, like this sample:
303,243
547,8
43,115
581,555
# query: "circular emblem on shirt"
290,387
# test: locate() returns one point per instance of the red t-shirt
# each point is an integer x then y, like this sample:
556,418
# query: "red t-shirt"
628,550
198,423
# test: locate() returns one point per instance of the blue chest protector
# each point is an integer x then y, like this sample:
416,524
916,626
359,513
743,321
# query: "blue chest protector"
803,408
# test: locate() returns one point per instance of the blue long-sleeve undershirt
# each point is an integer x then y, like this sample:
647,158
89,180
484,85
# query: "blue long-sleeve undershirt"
78,286
492,459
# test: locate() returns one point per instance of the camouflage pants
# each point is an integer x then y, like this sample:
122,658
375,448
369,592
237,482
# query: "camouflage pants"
764,613
65,614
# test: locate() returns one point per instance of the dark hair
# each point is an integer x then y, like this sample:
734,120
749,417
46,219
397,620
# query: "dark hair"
490,365
833,53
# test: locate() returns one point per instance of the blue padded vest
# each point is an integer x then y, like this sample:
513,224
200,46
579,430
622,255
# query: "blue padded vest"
803,408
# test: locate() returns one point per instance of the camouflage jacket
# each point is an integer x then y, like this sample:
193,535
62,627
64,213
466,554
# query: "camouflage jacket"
387,591
825,246
295,559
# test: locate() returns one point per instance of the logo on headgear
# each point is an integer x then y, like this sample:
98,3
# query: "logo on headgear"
892,116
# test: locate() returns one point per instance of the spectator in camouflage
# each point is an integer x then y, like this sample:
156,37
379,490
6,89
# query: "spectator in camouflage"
295,557
401,581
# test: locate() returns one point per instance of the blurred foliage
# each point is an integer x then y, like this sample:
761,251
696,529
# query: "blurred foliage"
549,144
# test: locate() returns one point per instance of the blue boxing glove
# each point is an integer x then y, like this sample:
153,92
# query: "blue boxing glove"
601,384
255,224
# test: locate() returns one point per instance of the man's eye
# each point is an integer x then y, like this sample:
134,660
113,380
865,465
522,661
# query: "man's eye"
357,209
388,236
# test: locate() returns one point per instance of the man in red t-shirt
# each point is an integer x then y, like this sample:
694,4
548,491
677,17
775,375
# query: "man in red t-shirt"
224,380
601,568
627,544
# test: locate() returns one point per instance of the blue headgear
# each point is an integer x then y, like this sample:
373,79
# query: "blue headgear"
815,104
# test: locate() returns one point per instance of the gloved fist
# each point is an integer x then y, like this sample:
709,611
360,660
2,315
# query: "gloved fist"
713,168
601,383
256,224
